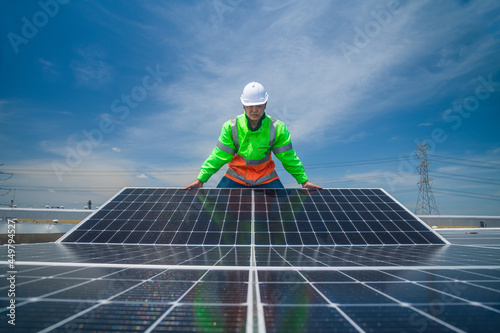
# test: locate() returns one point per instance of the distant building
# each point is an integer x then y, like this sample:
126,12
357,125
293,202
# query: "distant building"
44,215
461,221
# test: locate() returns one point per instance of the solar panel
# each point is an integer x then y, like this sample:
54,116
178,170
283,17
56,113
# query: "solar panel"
260,282
278,217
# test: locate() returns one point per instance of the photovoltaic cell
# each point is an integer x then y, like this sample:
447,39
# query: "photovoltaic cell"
279,217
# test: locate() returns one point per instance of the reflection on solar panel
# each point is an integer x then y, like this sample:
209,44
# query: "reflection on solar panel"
279,217
252,260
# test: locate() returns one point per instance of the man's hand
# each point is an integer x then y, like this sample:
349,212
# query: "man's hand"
308,184
195,184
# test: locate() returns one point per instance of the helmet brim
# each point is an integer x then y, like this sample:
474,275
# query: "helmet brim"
253,103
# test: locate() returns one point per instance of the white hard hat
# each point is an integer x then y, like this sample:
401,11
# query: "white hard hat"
254,94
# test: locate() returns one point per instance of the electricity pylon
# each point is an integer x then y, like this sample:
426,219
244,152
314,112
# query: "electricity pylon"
426,205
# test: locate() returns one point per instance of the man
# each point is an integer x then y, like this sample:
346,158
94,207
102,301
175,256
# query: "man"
246,143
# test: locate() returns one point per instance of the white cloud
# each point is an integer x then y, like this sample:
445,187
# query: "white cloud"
355,138
90,68
321,97
495,151
374,178
96,178
452,169
49,69
428,49
45,63
4,114
305,71
52,147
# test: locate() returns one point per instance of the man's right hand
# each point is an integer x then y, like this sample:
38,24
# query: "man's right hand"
308,184
195,184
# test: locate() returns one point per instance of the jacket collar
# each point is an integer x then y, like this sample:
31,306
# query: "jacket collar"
258,125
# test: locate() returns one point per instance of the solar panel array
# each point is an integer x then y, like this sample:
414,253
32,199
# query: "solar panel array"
98,287
279,217
255,277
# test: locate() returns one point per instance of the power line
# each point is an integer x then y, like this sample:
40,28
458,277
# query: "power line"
468,194
7,175
107,172
465,159
7,191
488,166
467,176
478,180
369,178
469,165
68,189
310,166
41,172
353,163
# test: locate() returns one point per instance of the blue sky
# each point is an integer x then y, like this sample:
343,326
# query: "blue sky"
99,95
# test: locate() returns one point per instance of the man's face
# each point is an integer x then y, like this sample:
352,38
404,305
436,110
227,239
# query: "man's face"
255,112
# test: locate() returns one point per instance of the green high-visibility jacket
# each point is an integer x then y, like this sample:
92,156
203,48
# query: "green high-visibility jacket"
248,152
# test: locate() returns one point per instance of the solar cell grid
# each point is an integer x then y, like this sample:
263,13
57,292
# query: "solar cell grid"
195,265
296,291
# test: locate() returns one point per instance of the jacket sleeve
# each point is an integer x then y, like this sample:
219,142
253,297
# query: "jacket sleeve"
284,151
222,154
